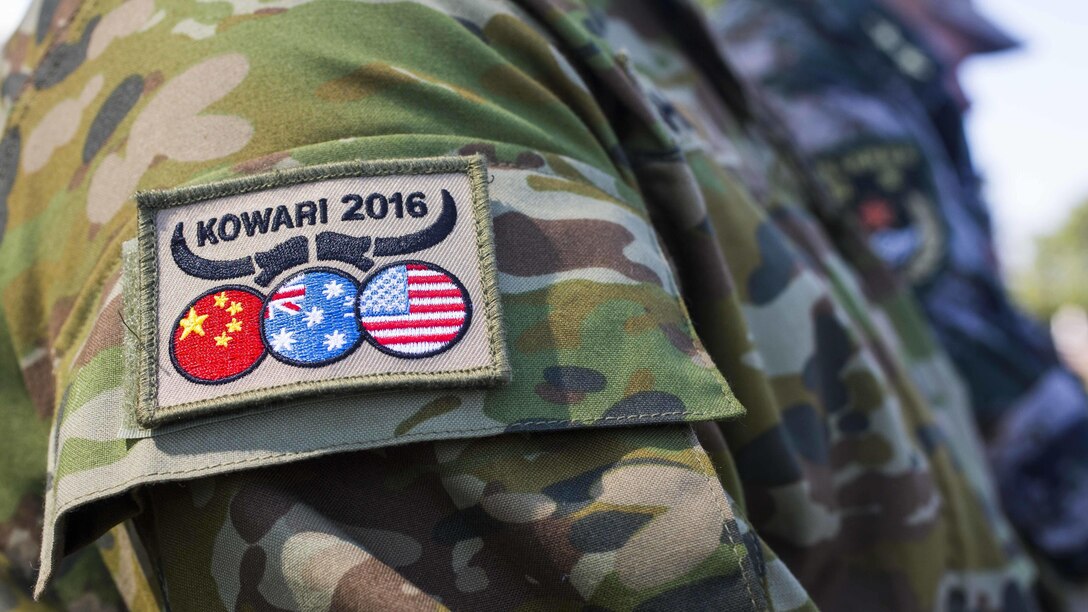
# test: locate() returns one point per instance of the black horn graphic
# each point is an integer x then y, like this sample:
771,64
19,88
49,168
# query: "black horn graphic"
208,269
352,250
283,256
331,246
423,239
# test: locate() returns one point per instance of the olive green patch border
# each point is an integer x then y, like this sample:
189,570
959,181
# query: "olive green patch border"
143,397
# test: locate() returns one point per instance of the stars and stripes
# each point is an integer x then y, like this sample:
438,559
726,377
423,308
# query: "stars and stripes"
414,309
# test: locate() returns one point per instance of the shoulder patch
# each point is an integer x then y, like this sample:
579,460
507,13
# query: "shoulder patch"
884,191
315,280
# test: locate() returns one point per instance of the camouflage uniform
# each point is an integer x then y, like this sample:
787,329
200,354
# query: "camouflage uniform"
651,245
866,105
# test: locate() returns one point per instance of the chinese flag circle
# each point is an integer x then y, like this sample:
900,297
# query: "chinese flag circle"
217,338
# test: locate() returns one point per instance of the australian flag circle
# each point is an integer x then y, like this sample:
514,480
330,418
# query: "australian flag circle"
309,320
414,309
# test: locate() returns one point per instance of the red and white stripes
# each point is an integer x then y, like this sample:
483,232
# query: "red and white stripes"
436,314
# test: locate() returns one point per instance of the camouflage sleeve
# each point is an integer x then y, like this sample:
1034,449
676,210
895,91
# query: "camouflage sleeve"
869,140
843,463
625,519
453,503
84,581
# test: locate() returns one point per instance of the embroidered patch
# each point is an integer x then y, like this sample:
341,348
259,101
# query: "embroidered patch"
310,319
216,339
414,310
883,189
316,280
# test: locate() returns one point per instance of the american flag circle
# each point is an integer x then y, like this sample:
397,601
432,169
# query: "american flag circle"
414,309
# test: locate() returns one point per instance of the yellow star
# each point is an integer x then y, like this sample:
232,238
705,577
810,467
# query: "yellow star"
192,323
234,308
221,299
234,326
222,339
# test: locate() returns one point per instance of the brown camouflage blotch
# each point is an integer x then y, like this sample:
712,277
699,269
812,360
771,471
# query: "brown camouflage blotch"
66,11
78,177
106,333
236,20
540,550
878,590
40,384
641,380
528,159
366,80
535,247
372,585
15,51
563,397
58,315
869,449
250,573
153,81
900,500
680,339
481,148
256,508
260,164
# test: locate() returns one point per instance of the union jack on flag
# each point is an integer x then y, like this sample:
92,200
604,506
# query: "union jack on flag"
287,298
414,309
310,320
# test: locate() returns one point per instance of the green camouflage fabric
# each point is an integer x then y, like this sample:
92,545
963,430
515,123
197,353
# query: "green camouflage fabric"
83,580
630,518
651,246
866,105
887,327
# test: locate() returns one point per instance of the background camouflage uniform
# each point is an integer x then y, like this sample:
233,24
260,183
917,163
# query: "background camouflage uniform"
845,78
619,469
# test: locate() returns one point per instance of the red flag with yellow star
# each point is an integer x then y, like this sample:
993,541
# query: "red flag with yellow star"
217,338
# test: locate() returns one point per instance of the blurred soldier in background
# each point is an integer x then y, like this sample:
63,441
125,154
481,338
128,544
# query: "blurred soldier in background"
868,93
755,417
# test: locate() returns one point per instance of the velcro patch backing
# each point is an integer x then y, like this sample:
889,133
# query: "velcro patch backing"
315,280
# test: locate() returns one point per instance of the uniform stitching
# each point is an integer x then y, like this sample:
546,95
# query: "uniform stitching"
704,462
73,502
485,252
